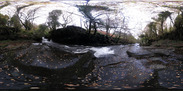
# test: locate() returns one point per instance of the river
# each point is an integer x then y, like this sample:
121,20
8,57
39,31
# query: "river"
50,65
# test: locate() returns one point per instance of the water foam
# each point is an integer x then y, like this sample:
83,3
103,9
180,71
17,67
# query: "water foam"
99,52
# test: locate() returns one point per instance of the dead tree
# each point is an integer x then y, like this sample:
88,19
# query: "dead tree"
26,18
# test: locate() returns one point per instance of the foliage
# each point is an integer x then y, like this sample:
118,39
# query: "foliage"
130,39
178,28
162,18
3,20
53,17
23,21
156,28
68,35
42,31
78,35
145,40
12,28
154,33
7,33
14,21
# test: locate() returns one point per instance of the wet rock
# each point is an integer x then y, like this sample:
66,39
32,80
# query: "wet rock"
139,52
146,52
111,71
15,73
139,55
157,60
87,64
156,63
61,74
113,64
47,57
179,57
157,66
161,52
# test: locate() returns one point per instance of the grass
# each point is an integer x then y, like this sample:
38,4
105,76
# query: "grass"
168,43
7,45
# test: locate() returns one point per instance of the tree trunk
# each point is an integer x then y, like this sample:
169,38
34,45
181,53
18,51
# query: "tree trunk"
95,28
162,30
89,30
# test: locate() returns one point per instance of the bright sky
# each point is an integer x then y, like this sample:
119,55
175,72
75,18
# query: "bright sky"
138,14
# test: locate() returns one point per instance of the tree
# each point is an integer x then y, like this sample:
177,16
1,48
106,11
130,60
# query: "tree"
14,21
115,23
86,11
91,20
53,17
42,30
26,18
179,26
87,1
162,18
66,18
109,23
152,31
3,20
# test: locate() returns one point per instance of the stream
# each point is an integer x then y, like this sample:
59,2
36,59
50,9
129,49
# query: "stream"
50,65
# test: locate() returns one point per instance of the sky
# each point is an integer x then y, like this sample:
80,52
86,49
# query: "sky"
138,14
91,0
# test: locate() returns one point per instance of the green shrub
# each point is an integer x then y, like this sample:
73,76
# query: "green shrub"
3,20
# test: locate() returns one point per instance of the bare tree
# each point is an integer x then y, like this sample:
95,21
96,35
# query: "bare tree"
87,1
115,23
107,23
92,21
66,18
86,25
26,18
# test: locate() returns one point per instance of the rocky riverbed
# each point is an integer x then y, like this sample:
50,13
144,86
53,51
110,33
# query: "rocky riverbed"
49,65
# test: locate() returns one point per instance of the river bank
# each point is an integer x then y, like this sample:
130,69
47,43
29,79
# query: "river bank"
177,45
8,45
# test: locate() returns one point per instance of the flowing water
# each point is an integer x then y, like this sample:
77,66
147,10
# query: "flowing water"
49,65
